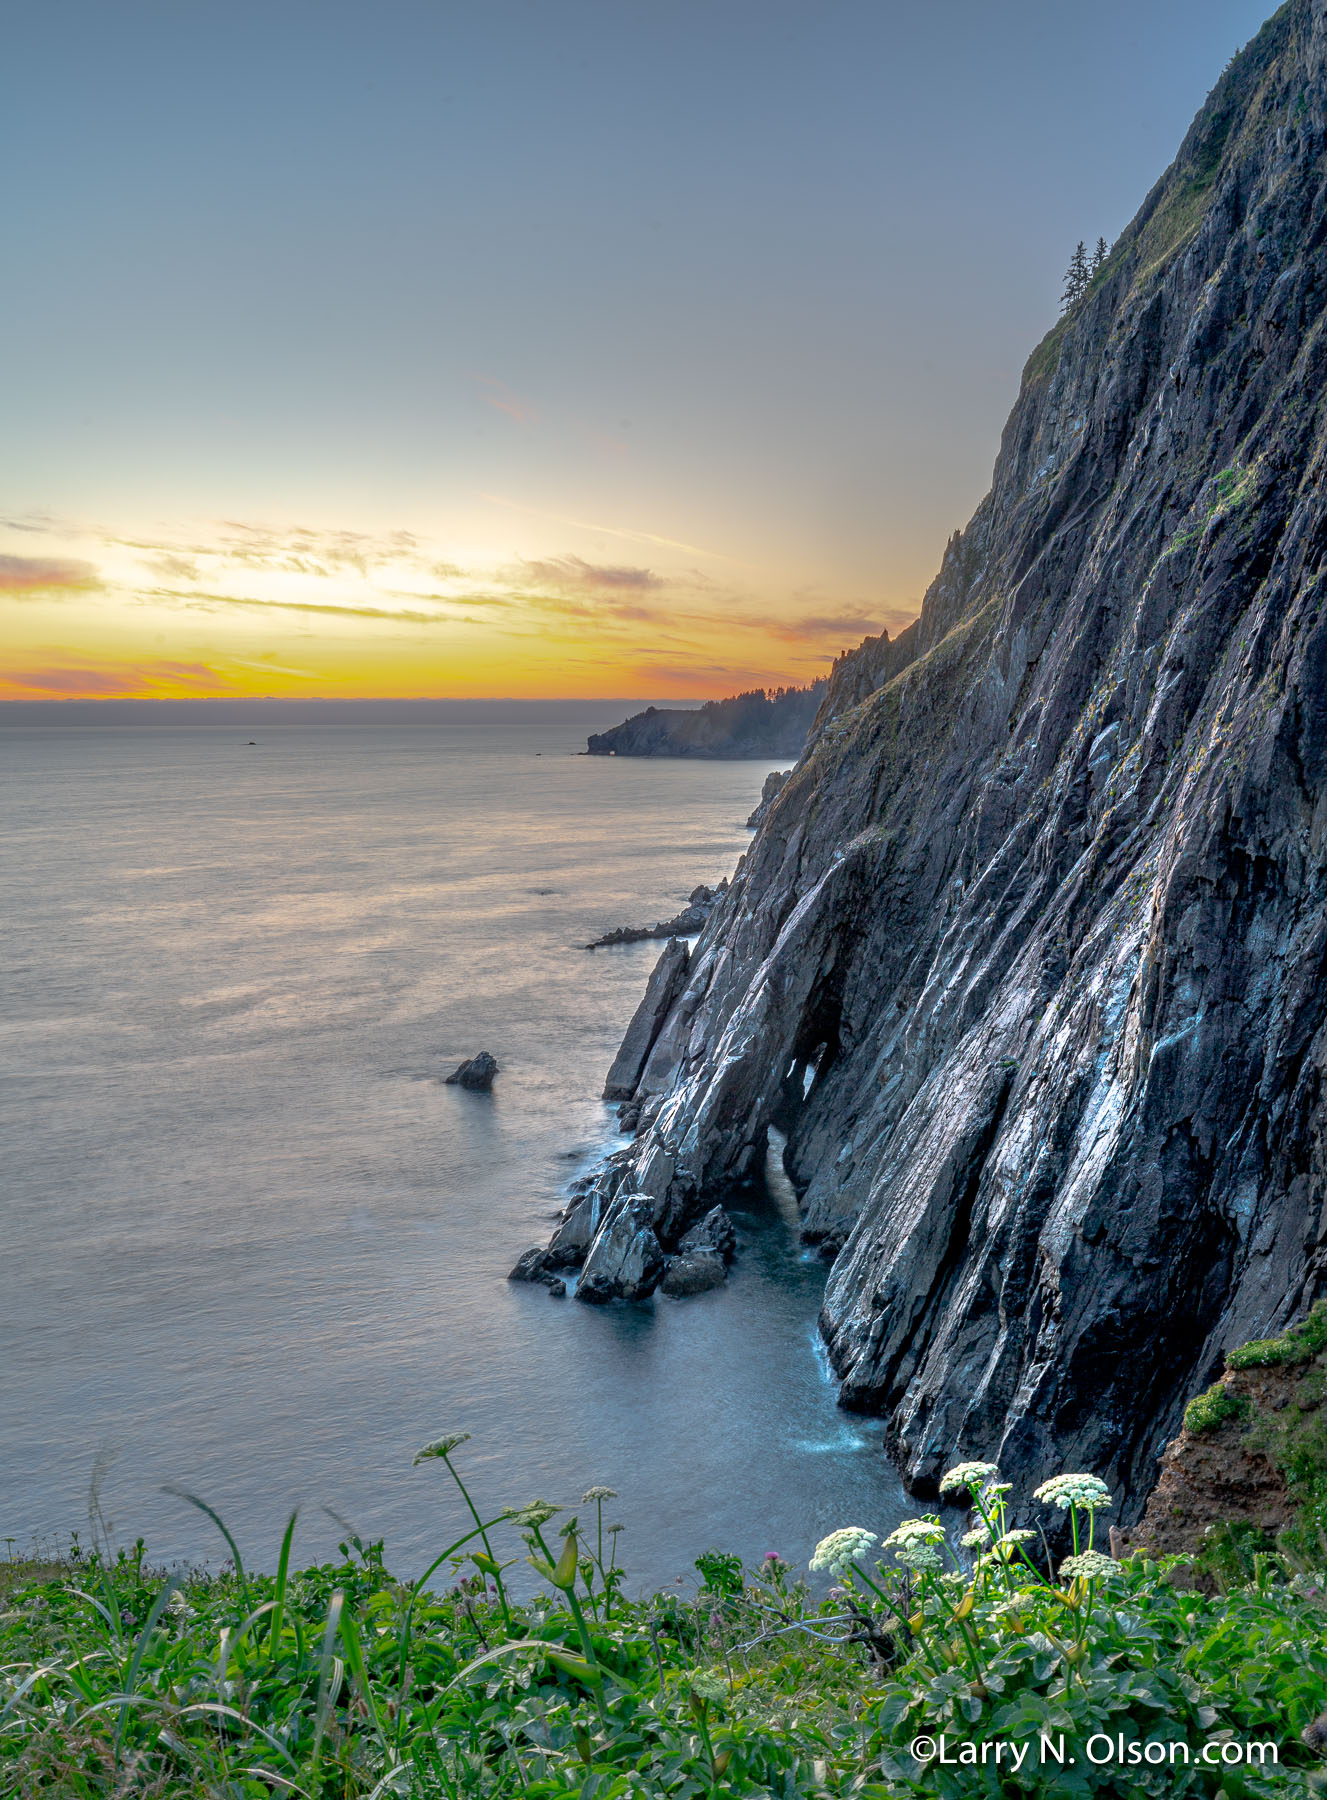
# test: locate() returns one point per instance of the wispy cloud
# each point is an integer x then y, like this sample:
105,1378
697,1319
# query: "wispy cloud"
20,575
70,680
575,572
854,625
502,400
199,601
616,531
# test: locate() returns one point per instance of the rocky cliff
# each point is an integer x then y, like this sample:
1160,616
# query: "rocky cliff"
1029,957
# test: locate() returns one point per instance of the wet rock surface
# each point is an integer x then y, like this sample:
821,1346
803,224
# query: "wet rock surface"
1027,957
476,1073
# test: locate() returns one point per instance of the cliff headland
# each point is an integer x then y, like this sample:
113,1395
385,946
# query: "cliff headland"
1027,958
755,724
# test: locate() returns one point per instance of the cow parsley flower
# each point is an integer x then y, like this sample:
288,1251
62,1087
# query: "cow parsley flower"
1065,1491
921,1558
592,1494
442,1446
916,1531
968,1475
978,1538
1005,1547
1090,1565
840,1548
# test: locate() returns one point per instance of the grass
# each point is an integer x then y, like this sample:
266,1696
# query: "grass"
341,1681
1298,1345
1212,1409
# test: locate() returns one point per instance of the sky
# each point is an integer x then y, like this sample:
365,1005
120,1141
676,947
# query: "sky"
422,348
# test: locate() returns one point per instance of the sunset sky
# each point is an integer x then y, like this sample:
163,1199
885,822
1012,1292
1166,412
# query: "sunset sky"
532,347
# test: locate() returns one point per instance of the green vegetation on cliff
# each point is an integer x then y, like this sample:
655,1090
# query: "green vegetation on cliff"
1095,1676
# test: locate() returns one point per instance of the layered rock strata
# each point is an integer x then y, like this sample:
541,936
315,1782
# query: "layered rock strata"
1028,958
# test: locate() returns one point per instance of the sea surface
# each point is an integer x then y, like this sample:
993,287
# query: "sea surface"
254,1248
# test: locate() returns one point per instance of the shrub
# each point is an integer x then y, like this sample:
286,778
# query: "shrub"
1213,1408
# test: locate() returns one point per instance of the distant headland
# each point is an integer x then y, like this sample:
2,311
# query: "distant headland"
771,722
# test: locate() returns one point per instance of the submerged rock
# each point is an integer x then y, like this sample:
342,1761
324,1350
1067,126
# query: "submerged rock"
476,1074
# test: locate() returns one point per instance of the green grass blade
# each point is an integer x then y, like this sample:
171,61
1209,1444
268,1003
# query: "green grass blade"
220,1523
282,1580
136,1660
327,1690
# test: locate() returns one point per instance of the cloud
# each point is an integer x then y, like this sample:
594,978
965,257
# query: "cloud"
203,602
38,574
638,537
856,625
137,679
575,572
504,401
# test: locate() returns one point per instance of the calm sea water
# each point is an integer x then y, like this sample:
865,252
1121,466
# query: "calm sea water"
254,1247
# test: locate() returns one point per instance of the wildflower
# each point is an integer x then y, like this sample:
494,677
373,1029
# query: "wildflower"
967,1475
1090,1564
593,1494
1004,1548
535,1514
996,1490
840,1548
706,1686
921,1558
916,1531
442,1446
978,1538
1065,1491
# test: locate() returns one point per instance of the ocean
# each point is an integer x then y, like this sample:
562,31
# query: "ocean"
255,1248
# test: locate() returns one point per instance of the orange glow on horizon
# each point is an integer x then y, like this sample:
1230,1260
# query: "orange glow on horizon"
244,611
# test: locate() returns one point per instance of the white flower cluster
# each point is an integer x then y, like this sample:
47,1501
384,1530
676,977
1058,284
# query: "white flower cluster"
1090,1564
968,1475
916,1531
1065,1491
840,1548
914,1544
923,1559
978,1538
1005,1549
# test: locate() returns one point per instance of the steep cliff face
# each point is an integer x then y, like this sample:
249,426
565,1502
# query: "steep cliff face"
1029,957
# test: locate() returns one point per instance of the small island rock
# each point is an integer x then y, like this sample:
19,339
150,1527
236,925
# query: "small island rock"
476,1074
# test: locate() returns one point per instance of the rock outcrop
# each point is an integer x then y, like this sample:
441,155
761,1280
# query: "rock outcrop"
773,782
760,723
1028,959
476,1073
665,984
687,923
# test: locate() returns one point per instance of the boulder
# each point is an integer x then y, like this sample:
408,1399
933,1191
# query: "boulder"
692,1273
476,1074
715,1233
625,1253
595,1290
532,1265
537,1265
